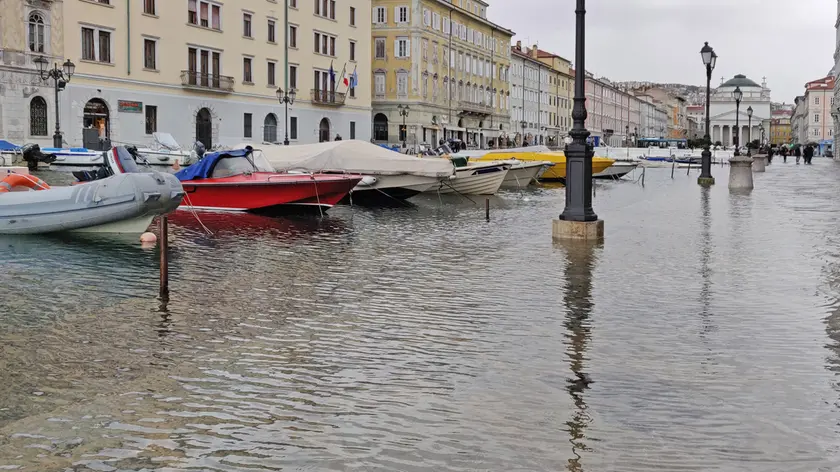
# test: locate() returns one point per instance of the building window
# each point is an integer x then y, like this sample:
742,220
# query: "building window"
352,130
293,127
151,119
324,44
270,128
816,118
352,91
352,16
248,125
402,14
293,3
332,9
38,117
247,77
293,36
401,48
204,14
379,84
96,45
246,25
352,50
272,73
37,38
150,54
380,16
272,38
149,7
325,8
379,48
816,100
292,77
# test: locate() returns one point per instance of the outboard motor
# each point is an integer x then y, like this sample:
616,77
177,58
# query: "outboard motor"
32,155
118,160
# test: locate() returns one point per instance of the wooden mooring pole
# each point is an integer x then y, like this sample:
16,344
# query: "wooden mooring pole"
164,256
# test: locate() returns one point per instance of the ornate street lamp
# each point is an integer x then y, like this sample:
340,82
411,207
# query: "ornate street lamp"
523,124
737,95
635,135
749,131
60,77
287,98
709,60
579,153
404,110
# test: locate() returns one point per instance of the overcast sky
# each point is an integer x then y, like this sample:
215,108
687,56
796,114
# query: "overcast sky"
788,41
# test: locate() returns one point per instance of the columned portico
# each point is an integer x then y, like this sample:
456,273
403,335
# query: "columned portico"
722,111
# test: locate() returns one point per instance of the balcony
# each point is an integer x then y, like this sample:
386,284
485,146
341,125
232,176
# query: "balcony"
328,98
469,108
201,81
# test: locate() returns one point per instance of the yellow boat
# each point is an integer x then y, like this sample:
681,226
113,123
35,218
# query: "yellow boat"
556,172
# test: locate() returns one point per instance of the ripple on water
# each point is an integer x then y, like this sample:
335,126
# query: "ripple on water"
425,338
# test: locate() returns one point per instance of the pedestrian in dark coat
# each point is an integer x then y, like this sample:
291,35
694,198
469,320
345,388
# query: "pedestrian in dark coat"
784,152
809,153
797,151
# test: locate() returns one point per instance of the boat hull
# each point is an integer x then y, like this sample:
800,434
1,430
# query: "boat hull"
390,188
117,204
272,193
481,180
616,171
523,174
556,172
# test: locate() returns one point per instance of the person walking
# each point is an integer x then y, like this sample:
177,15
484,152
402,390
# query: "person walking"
784,152
797,151
809,154
769,154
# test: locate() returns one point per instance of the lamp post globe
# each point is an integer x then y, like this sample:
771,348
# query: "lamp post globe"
707,54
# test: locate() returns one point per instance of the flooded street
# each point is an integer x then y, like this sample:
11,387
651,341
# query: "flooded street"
704,334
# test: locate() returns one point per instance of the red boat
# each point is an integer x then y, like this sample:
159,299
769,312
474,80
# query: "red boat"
239,180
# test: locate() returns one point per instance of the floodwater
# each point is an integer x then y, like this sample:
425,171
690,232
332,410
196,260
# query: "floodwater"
704,334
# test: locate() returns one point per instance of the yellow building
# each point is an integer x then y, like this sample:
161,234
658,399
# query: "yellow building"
563,91
447,63
780,130
208,70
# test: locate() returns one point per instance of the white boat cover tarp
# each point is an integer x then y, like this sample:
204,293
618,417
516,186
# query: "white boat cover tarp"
352,156
484,152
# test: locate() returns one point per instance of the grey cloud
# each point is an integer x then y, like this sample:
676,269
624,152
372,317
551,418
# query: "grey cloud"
788,41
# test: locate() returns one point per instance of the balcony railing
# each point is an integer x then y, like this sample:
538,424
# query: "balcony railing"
475,108
199,80
328,98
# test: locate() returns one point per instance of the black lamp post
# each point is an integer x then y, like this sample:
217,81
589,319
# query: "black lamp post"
738,95
523,124
761,129
287,98
60,77
579,153
709,60
404,110
635,135
749,131
627,134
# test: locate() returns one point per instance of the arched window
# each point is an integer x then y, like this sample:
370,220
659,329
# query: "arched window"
36,32
38,117
270,128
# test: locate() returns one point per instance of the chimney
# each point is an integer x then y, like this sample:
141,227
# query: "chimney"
534,51
519,45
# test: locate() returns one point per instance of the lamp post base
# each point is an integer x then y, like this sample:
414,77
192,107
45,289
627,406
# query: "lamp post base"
740,173
705,181
57,141
759,163
577,230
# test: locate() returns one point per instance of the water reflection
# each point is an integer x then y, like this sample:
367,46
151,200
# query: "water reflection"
706,253
580,263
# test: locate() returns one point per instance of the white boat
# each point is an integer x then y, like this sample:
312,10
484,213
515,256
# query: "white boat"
476,178
616,171
123,202
388,175
166,151
523,173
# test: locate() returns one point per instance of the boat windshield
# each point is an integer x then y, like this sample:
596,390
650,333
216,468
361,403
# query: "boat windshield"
230,166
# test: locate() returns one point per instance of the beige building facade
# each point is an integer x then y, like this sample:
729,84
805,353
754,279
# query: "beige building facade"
448,64
28,29
206,70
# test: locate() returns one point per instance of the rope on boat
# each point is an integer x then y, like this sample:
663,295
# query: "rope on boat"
317,195
453,189
195,214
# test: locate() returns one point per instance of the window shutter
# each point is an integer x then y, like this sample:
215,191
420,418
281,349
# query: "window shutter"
396,14
407,48
397,48
375,15
407,15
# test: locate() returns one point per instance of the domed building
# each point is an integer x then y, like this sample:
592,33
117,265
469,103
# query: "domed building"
722,111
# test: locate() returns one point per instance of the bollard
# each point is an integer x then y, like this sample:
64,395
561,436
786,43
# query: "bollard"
164,256
487,208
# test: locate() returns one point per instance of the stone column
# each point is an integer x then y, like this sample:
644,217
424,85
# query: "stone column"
740,173
759,163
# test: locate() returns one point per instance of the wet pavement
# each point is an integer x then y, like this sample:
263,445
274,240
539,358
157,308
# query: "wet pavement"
702,335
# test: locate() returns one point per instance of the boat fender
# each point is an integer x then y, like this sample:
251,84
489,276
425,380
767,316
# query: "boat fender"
368,180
